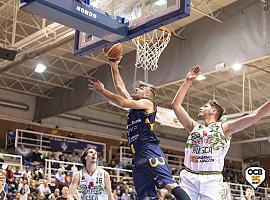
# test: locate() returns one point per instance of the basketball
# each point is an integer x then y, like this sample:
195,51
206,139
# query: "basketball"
113,52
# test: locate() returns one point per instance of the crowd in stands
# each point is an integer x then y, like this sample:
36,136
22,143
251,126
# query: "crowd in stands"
32,182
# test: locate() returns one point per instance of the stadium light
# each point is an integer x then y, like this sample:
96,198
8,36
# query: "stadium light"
40,68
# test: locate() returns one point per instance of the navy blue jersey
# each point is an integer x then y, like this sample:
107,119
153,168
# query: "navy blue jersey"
150,167
140,127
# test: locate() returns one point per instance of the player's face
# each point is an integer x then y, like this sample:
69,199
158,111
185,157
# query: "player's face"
205,111
140,93
91,156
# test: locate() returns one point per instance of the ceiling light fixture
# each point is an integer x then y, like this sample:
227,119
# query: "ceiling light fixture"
201,77
237,67
40,68
160,2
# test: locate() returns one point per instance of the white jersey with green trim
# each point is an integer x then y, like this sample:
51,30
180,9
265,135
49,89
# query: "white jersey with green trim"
92,187
206,148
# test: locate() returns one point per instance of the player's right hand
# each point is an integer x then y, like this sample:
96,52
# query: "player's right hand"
115,63
193,73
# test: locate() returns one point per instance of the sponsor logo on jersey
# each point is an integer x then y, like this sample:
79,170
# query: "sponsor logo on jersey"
91,184
99,174
205,133
201,159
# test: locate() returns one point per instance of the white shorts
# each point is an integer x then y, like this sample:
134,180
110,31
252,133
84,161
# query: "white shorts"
202,187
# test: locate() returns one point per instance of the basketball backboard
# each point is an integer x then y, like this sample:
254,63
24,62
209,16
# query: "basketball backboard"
141,16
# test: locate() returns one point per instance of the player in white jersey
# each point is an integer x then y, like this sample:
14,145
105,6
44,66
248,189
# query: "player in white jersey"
92,182
208,143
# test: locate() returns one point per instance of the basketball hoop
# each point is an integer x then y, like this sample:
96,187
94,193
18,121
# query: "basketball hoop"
150,46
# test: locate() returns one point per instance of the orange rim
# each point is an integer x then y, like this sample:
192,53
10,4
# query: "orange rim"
141,40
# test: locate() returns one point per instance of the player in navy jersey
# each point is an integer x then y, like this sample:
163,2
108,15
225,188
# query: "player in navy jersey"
150,168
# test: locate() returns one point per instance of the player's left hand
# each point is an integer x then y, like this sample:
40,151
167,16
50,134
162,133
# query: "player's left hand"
96,85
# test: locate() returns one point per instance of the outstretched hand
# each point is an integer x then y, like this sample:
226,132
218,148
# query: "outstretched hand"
96,85
115,63
193,73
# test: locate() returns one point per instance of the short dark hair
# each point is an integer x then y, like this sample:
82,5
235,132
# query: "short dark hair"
218,107
152,90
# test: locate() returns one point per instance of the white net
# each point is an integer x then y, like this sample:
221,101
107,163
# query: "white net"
150,47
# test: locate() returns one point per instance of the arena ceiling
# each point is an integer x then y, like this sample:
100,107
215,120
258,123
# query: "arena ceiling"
40,40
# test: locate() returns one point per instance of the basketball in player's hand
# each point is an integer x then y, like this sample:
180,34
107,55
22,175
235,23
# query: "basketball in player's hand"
113,52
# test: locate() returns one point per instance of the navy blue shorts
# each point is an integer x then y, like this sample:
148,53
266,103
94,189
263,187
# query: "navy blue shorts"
150,170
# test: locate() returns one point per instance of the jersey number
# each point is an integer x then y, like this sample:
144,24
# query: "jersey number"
158,161
99,181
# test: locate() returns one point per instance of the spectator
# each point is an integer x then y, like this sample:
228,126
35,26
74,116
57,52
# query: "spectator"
57,193
36,156
112,164
11,179
41,196
23,195
55,131
33,187
1,160
52,197
25,186
125,195
17,195
74,169
18,171
114,183
44,188
67,180
3,174
64,194
250,194
100,159
115,196
132,192
75,158
60,179
70,135
2,186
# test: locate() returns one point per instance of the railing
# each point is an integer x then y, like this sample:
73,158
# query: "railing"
238,190
41,141
12,160
10,139
114,172
50,171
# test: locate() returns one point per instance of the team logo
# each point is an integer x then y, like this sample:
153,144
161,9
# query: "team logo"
91,184
205,133
255,176
64,146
